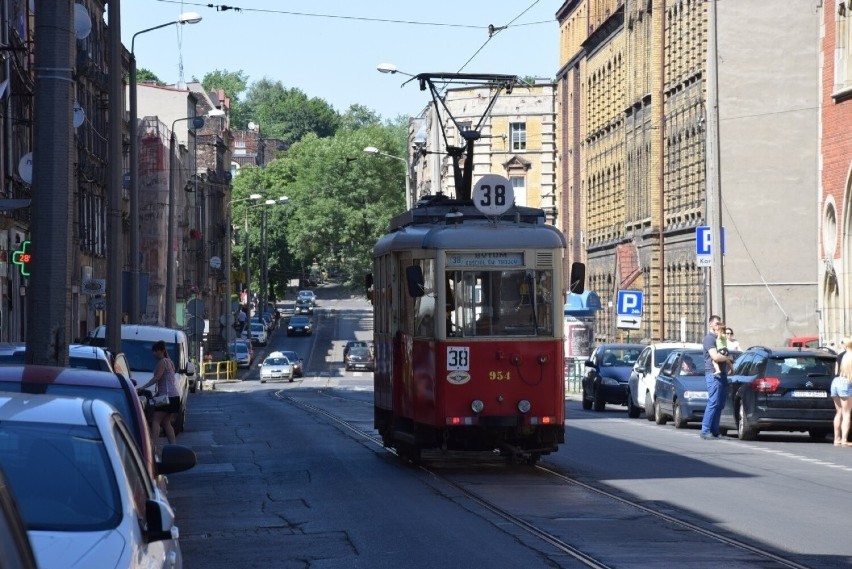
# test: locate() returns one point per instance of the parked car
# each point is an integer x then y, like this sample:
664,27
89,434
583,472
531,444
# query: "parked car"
299,325
360,357
79,356
780,389
136,343
15,549
681,390
606,375
240,352
257,334
82,486
353,344
262,321
296,361
308,294
642,381
276,366
304,306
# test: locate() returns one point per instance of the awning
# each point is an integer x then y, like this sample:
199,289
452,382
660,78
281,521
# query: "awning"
585,304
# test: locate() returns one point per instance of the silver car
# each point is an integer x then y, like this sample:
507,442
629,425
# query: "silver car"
276,366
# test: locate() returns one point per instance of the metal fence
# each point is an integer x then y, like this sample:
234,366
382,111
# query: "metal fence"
574,374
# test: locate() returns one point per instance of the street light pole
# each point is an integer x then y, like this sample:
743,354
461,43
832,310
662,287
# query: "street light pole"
409,199
135,312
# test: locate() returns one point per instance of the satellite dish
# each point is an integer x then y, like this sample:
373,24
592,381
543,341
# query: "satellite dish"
79,113
252,125
25,167
82,22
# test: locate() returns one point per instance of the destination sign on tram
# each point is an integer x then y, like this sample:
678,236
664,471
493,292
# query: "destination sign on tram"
485,259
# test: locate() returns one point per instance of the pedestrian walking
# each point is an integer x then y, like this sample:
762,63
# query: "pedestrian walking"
164,378
841,394
717,381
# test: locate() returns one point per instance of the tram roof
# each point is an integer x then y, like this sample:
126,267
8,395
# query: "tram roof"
429,228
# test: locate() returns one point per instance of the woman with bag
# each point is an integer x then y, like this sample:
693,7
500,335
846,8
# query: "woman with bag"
167,399
841,393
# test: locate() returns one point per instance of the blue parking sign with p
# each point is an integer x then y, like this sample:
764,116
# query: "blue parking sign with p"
629,303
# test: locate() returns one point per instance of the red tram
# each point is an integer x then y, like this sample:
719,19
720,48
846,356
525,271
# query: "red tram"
468,315
468,331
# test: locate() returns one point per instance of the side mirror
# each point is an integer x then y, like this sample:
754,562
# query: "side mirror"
190,368
589,363
159,521
175,458
639,369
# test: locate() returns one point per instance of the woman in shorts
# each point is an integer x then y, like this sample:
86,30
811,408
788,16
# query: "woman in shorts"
841,393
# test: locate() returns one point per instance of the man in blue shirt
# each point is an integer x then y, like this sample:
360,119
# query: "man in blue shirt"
717,381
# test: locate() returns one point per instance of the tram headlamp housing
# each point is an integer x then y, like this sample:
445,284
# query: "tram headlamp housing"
477,406
524,406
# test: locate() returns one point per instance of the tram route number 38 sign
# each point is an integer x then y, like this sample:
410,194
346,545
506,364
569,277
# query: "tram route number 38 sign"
493,195
458,364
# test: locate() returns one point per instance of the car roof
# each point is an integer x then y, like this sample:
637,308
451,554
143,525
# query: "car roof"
286,352
788,352
665,345
630,346
60,375
40,408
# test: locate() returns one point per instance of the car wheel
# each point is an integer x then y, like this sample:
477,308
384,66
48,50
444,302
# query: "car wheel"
649,406
745,430
679,421
291,379
598,403
659,417
818,434
632,410
586,403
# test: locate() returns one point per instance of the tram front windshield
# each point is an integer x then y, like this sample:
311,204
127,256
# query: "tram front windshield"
499,303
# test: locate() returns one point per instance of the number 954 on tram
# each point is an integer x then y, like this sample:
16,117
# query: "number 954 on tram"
468,313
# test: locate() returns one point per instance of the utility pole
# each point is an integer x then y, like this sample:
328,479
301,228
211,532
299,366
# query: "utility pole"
115,250
55,48
713,180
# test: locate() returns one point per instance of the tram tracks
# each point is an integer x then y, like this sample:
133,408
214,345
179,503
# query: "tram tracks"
754,554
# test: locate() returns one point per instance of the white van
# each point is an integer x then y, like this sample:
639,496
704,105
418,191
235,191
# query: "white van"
136,343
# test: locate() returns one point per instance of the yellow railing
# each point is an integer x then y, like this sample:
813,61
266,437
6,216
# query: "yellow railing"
220,370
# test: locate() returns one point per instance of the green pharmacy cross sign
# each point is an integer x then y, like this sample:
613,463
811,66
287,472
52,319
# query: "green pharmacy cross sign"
23,258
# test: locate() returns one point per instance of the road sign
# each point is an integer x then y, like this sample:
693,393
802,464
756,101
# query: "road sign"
704,246
629,303
623,322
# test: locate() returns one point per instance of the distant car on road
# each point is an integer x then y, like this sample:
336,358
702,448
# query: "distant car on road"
360,357
276,366
256,333
240,352
299,326
296,361
607,372
353,344
309,295
304,306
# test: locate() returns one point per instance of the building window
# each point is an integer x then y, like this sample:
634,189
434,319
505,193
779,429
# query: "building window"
843,46
519,186
518,135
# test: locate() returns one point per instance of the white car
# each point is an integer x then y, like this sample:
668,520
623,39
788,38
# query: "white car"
256,333
82,487
643,378
276,366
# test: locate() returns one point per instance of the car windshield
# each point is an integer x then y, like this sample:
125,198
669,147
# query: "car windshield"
239,348
620,356
257,327
276,362
141,358
292,356
299,320
61,476
360,351
805,366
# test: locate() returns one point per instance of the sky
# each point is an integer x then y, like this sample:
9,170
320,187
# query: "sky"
330,48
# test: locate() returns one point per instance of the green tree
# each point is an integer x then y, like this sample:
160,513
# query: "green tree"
234,84
147,76
358,116
288,114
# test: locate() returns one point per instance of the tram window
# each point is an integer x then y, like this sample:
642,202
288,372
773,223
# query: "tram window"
424,305
500,303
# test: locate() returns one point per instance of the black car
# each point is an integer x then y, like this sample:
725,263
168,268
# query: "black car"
299,325
607,372
360,357
296,361
304,306
780,389
353,344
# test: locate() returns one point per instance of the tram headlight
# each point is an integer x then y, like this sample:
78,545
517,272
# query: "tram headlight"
477,406
523,406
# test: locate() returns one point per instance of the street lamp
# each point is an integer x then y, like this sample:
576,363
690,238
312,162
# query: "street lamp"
229,309
171,258
409,199
185,18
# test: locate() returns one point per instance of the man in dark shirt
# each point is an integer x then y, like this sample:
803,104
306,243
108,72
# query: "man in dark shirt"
717,381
